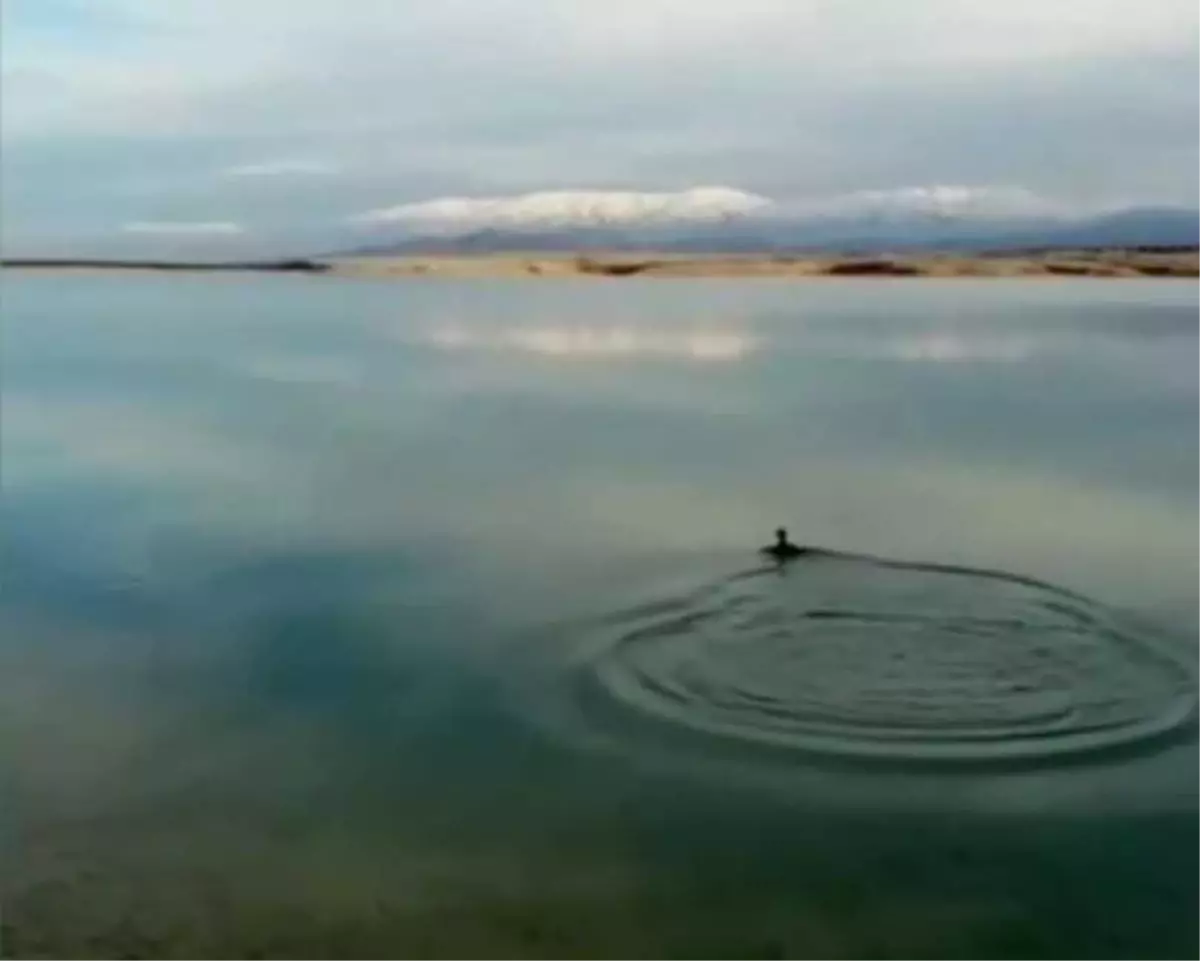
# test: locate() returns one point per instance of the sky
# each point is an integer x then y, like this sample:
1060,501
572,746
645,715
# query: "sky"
230,126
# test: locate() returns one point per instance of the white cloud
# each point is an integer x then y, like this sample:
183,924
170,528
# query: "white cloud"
658,28
182,227
572,207
1028,30
167,76
296,167
857,32
1021,29
1087,100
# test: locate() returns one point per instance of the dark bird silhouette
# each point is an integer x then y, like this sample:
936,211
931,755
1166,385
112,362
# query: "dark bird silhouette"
783,549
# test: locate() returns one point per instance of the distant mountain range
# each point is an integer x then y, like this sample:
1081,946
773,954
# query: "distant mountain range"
869,232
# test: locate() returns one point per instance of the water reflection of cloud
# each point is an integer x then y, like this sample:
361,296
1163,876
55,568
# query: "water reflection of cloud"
1126,357
968,343
588,342
948,348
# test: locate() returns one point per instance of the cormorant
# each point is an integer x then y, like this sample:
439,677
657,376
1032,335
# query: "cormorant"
783,549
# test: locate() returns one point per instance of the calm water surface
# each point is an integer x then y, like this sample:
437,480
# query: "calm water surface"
425,619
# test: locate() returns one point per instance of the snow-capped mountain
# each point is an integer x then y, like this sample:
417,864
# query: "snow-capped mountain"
936,202
724,219
569,208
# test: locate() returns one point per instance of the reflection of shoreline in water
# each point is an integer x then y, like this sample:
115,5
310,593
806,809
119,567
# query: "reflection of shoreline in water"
592,341
727,344
737,335
852,658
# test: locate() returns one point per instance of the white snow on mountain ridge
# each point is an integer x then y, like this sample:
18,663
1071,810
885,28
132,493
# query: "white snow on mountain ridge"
937,201
599,208
572,208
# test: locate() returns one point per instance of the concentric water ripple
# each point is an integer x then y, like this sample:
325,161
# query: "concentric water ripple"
861,657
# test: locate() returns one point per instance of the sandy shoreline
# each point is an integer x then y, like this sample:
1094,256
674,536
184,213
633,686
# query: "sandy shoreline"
1070,264
1064,263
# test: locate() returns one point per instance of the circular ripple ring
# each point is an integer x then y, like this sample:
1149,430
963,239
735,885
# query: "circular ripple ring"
859,657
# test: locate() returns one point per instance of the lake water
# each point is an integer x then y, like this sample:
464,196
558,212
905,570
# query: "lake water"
425,619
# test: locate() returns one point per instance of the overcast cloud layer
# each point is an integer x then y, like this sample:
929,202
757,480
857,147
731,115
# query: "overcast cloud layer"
283,122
